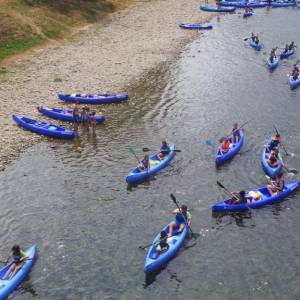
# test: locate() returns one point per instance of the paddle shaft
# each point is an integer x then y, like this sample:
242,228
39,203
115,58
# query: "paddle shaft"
223,187
281,141
185,220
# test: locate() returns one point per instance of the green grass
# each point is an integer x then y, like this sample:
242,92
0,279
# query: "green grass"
13,47
57,79
55,31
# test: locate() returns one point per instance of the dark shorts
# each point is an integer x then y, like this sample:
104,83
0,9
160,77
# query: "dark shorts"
76,119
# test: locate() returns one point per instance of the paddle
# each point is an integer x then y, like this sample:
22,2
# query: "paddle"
131,150
148,149
185,220
281,141
223,187
293,171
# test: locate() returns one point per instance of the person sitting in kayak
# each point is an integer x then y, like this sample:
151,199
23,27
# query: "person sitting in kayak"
19,257
295,72
144,164
254,195
239,197
286,49
274,152
292,46
273,55
272,161
276,186
164,150
182,217
236,135
163,245
274,143
225,145
253,36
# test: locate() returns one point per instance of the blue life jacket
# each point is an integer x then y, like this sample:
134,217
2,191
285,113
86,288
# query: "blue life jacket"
165,149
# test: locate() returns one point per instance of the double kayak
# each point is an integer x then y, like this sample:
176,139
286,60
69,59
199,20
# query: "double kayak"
265,199
255,45
104,98
272,65
156,260
135,175
248,14
287,53
64,114
9,285
235,148
272,172
196,26
293,83
282,4
44,128
217,8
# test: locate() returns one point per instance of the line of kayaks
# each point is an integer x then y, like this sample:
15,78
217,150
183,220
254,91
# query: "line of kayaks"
8,286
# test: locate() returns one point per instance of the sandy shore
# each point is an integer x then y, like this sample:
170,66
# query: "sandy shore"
117,52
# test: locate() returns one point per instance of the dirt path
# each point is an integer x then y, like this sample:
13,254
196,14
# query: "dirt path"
117,52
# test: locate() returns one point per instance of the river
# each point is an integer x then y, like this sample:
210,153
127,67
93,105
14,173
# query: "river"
71,198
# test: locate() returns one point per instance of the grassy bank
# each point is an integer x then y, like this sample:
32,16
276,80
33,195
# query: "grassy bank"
28,23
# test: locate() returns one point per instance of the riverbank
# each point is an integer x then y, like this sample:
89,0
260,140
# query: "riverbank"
110,56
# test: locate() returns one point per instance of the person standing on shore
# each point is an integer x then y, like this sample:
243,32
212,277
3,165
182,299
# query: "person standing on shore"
76,117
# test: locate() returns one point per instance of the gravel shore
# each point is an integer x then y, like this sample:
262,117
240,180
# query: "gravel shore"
116,52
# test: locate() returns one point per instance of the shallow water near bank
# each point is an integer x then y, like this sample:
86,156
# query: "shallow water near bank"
71,199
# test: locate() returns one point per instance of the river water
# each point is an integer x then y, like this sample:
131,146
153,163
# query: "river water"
71,199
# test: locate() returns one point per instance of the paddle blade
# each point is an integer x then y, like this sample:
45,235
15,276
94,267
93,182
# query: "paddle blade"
209,142
173,198
220,184
177,150
146,149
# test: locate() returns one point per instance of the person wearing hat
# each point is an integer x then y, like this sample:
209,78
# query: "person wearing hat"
164,150
274,143
182,218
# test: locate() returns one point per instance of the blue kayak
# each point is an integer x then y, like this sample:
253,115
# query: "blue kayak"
235,148
272,65
44,128
156,260
242,4
265,199
248,14
8,286
217,8
272,172
293,82
286,54
282,4
255,45
94,98
196,26
64,114
156,165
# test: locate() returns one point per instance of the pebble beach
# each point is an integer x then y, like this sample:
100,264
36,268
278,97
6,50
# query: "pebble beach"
108,56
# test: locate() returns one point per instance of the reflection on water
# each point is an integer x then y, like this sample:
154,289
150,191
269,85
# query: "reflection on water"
71,198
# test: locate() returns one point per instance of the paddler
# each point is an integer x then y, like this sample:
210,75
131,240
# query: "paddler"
182,218
164,150
19,256
144,165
